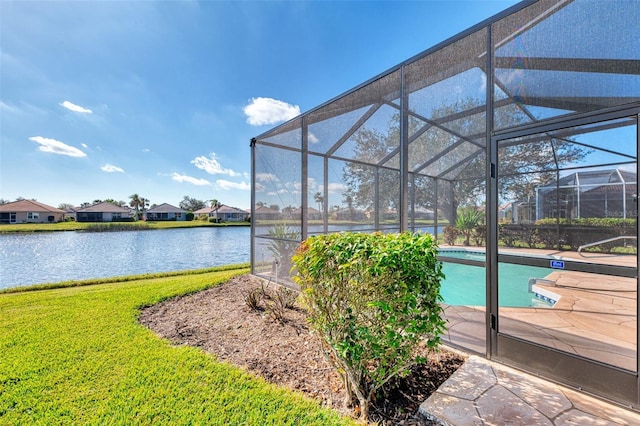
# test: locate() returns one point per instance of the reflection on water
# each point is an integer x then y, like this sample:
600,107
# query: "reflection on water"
61,256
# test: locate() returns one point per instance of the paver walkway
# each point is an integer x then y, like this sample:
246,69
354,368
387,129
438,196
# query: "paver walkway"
486,393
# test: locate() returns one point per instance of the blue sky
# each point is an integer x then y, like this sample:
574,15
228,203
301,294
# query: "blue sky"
104,99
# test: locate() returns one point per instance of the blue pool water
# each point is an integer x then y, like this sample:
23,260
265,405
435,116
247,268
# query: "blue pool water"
465,284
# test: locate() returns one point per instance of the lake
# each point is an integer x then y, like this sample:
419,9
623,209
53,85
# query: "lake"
61,256
47,257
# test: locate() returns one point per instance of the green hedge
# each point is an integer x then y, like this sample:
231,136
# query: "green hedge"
372,298
550,234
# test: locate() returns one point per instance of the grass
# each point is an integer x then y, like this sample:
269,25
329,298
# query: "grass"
77,355
106,226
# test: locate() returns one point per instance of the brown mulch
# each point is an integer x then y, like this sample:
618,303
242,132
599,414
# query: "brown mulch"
219,321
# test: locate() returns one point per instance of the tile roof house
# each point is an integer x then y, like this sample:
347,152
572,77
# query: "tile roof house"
349,214
104,212
224,213
312,214
231,214
266,213
29,211
166,212
209,211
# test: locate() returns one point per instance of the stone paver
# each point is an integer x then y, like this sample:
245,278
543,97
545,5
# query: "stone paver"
486,393
540,394
498,406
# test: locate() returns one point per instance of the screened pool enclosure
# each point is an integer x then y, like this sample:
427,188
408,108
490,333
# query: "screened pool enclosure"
518,137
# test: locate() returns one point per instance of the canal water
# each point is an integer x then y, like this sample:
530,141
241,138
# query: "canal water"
61,256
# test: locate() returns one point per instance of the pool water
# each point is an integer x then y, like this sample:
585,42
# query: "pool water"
465,284
464,254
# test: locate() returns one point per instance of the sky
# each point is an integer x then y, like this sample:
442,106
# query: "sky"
105,99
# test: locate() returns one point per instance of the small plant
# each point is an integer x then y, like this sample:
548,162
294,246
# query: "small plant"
253,298
286,296
283,245
279,302
276,302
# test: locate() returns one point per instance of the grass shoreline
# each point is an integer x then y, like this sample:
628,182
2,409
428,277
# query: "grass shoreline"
121,278
78,355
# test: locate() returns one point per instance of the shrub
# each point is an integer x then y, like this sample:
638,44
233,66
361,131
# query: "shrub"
372,299
450,235
189,216
479,235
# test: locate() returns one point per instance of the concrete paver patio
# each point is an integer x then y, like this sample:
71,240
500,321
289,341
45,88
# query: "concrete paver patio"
486,393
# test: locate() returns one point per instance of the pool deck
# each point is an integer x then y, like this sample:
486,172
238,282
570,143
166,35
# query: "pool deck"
595,317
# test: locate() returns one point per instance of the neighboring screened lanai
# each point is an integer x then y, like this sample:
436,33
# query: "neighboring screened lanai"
536,108
600,193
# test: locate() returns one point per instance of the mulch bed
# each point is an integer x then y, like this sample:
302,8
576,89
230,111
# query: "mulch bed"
219,321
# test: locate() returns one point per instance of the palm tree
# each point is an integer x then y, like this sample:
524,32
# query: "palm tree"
318,198
144,203
349,200
215,205
136,203
467,221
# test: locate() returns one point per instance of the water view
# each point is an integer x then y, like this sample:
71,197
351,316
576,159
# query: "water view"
61,256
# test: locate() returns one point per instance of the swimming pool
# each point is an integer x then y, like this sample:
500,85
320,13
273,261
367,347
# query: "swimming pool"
465,284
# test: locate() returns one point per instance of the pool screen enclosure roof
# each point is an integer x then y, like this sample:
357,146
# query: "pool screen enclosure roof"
536,108
393,144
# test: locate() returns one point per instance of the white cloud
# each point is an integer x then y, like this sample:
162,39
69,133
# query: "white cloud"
189,179
313,139
225,184
337,188
84,145
212,166
76,108
312,185
9,108
262,111
146,150
110,168
56,147
267,177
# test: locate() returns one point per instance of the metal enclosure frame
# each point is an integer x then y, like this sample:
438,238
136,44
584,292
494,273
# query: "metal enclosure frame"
411,148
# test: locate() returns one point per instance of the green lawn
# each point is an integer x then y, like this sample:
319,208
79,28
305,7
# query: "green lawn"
77,355
79,226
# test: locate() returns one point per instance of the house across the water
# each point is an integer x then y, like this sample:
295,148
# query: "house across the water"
104,212
166,212
29,211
